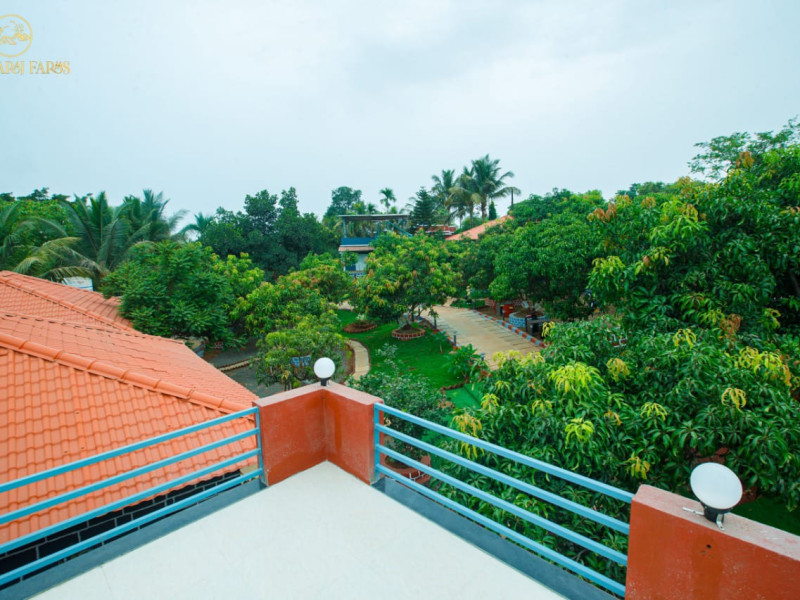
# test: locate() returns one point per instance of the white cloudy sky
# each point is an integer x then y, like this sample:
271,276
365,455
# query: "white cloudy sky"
209,101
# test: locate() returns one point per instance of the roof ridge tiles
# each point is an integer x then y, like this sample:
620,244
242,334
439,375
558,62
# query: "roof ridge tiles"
55,299
115,330
172,389
104,369
215,402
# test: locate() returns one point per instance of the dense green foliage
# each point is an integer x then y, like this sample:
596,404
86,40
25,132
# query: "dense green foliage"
19,233
310,339
295,317
270,230
173,289
694,354
406,275
547,260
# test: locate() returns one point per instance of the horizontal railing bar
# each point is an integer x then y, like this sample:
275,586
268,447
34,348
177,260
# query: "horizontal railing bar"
522,486
143,520
84,462
98,485
539,549
597,486
546,524
129,500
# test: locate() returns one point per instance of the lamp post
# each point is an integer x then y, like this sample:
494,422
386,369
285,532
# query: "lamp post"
717,488
324,368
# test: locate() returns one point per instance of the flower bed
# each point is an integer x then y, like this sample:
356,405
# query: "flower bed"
356,327
404,470
404,334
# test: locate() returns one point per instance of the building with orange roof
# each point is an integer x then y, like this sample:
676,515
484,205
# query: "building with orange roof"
475,232
76,380
41,298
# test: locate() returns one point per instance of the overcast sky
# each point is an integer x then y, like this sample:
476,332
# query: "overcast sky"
210,101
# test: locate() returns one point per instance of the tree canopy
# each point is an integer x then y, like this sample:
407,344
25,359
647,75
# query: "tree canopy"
173,289
271,230
405,275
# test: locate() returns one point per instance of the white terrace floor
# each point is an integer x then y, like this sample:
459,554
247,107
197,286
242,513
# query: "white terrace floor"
320,534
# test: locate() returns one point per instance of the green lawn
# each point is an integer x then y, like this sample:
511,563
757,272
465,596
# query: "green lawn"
468,396
426,356
771,511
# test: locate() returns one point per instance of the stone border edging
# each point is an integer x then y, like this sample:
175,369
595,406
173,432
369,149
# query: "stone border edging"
369,328
234,366
404,337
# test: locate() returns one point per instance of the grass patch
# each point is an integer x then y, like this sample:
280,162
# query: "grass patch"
346,316
772,512
468,396
425,356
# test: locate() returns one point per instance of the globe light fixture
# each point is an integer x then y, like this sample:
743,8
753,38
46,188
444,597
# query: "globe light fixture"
717,488
324,369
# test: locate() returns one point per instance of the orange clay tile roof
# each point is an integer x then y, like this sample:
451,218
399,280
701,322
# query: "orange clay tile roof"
34,296
472,234
70,390
140,357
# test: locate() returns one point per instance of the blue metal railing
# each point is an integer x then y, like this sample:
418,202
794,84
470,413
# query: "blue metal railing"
132,499
525,487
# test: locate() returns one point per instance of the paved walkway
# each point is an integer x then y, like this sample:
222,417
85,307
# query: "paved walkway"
360,357
486,336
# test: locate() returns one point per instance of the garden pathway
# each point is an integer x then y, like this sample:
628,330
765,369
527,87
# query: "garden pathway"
486,336
360,357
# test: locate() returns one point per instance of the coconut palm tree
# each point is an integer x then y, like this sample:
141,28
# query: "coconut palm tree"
147,215
387,198
102,239
462,199
10,234
486,182
443,189
200,225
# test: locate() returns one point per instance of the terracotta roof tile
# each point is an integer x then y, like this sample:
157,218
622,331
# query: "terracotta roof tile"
74,384
125,354
475,232
34,296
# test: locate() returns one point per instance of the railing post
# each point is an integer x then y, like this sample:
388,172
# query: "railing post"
263,476
376,421
675,554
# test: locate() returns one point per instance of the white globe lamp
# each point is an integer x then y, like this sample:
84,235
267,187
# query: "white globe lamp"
324,369
717,488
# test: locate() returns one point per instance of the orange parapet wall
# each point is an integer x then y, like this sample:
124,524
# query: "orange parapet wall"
674,554
304,427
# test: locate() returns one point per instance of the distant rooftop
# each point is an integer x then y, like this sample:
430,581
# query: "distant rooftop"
34,296
475,232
